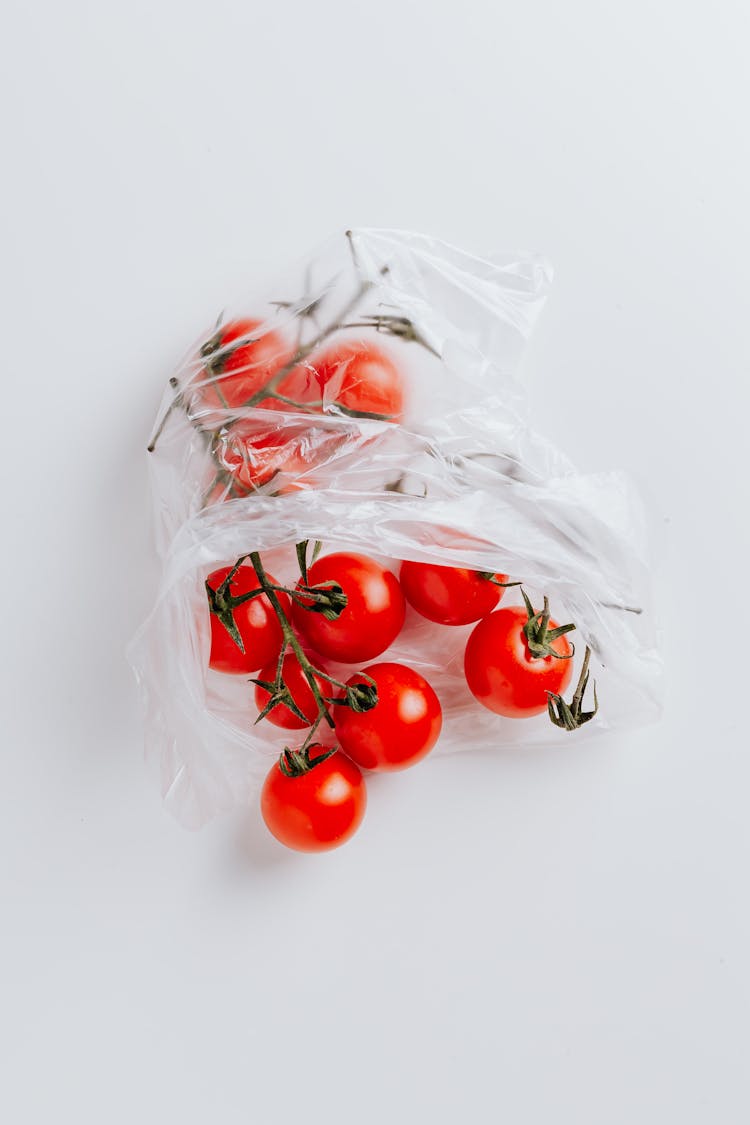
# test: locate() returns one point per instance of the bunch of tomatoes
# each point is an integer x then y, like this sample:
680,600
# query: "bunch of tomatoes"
246,367
348,608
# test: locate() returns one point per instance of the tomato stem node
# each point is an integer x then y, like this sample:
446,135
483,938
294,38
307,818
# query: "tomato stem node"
295,763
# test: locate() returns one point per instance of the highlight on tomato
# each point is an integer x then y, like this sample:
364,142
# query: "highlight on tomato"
313,799
516,658
245,630
400,729
451,595
371,619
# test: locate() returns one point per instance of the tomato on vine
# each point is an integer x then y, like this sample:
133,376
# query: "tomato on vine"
515,657
252,454
359,377
313,799
400,729
371,618
239,360
245,630
451,595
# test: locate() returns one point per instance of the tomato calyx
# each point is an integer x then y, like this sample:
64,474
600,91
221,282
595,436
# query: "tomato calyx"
327,598
360,697
296,763
571,716
539,636
278,695
222,603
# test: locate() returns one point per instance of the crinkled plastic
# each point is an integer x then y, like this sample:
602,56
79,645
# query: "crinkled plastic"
459,480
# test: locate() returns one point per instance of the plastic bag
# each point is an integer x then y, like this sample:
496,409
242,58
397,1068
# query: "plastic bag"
443,469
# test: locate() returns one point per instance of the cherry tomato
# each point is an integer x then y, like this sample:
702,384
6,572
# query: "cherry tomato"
371,619
256,622
501,671
450,595
299,688
243,357
253,454
400,729
318,809
360,377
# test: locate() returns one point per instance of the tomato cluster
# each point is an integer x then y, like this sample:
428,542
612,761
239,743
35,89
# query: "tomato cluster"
348,608
245,365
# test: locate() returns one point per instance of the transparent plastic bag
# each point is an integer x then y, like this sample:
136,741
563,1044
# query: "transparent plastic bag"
455,477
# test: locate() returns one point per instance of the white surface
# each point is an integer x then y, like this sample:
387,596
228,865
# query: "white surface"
529,937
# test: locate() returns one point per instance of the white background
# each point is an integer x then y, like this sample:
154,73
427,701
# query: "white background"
529,937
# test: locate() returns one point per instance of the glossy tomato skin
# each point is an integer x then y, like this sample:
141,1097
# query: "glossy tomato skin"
449,595
501,672
372,617
359,376
400,729
257,623
318,810
232,376
301,692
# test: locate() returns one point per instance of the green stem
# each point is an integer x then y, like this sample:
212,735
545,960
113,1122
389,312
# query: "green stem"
311,733
176,401
571,716
306,349
301,596
290,640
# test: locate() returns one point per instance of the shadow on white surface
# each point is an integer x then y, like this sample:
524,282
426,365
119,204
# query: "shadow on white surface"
254,850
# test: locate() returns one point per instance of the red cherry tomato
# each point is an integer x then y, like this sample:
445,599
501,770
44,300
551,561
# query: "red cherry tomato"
501,671
299,688
450,595
400,729
371,619
359,377
256,621
317,810
243,358
253,454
